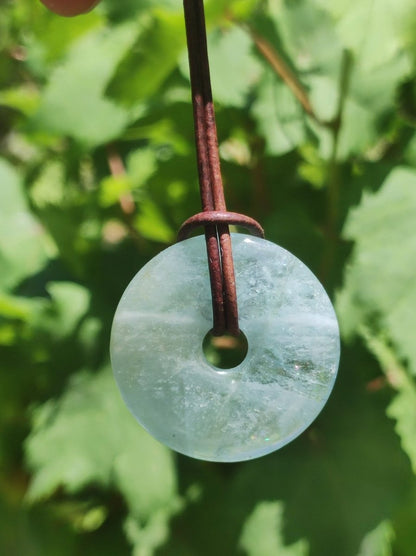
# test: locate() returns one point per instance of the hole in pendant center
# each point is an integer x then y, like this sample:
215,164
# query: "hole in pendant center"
226,351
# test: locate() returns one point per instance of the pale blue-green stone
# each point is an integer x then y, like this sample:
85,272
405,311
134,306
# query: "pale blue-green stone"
235,414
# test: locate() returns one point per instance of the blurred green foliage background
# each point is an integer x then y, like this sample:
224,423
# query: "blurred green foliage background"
316,108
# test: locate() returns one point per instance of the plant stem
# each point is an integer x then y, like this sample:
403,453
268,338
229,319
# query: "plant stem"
285,73
117,168
334,180
126,200
333,174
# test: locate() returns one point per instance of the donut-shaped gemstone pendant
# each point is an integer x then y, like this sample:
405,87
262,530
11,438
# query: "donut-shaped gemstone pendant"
232,414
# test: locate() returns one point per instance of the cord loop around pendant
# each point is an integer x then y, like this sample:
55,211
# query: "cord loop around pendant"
219,217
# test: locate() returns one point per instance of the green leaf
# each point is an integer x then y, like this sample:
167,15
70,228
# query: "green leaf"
112,188
66,209
151,59
403,410
279,116
306,31
49,187
48,37
12,307
262,533
22,242
89,437
146,538
234,68
141,165
371,95
403,406
25,99
152,224
73,102
375,31
379,541
379,288
70,303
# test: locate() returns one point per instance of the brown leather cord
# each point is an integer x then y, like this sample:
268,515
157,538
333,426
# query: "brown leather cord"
215,217
219,217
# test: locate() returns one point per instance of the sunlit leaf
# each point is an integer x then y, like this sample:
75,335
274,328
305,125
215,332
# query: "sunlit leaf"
73,102
380,289
22,244
279,116
378,541
89,437
262,533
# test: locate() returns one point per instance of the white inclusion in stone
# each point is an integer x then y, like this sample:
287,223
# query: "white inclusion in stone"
216,414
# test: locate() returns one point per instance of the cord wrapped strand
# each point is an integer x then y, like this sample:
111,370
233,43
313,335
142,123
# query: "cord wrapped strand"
214,217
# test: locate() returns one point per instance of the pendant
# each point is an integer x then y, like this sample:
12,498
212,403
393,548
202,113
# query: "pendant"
216,414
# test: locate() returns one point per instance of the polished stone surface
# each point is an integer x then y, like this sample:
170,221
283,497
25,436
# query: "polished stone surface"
234,414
